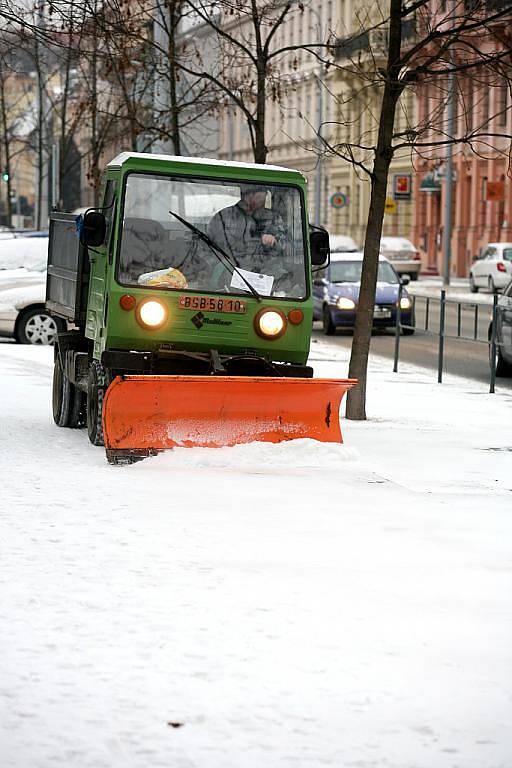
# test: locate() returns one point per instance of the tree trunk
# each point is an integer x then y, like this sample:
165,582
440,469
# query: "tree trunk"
40,149
94,172
7,150
260,148
356,398
356,403
175,125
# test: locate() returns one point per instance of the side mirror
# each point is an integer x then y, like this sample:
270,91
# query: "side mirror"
405,280
319,246
94,229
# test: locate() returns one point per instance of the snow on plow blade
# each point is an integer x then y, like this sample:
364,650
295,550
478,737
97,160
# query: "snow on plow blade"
146,414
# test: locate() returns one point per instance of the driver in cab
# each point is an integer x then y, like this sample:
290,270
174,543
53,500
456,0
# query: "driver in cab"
248,231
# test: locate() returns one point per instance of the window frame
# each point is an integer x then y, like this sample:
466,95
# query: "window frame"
235,180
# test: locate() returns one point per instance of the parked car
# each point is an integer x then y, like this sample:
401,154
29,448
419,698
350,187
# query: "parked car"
11,234
342,244
403,255
30,233
336,293
23,315
492,269
503,337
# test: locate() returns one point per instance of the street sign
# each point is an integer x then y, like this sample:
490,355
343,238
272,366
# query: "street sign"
390,206
402,186
339,200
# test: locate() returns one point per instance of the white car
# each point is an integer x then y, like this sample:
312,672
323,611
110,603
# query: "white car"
403,255
342,244
23,315
492,269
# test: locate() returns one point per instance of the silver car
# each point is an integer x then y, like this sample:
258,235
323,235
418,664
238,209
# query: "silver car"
403,255
23,315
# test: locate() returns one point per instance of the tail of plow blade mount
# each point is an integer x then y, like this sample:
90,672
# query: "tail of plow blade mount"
143,415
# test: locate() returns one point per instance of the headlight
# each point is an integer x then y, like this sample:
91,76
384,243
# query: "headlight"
405,302
344,303
270,323
151,314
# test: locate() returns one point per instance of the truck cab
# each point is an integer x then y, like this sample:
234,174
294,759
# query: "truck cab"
190,266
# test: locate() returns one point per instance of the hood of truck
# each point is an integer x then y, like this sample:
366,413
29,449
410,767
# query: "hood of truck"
202,329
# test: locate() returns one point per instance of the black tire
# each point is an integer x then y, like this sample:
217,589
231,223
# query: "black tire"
37,326
472,287
67,401
414,276
492,287
96,387
502,367
328,326
409,331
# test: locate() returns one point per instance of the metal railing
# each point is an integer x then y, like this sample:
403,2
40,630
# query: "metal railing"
432,317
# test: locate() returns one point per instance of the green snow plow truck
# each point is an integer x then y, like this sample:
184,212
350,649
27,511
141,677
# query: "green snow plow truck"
188,301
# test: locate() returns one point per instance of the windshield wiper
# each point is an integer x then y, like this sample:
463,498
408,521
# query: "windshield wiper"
219,252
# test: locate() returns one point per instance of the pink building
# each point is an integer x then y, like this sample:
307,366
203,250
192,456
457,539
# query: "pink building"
482,184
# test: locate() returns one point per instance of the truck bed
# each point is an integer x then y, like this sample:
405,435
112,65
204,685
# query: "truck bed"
68,270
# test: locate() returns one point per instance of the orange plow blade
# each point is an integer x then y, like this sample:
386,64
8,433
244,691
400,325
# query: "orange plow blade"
146,414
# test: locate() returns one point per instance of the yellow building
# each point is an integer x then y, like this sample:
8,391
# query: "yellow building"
339,105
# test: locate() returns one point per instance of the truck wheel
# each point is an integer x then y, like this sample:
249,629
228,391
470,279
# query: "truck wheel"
66,399
37,326
96,387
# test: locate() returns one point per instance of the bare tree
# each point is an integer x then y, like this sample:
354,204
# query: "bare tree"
248,53
147,46
6,138
451,38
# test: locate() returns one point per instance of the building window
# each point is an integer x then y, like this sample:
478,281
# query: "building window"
469,106
485,103
501,104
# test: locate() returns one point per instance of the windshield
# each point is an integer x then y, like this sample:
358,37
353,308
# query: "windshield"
350,272
258,227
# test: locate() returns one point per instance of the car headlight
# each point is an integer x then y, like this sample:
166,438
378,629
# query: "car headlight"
270,323
344,303
405,302
151,314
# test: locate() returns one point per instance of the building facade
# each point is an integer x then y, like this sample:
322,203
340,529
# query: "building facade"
320,108
481,210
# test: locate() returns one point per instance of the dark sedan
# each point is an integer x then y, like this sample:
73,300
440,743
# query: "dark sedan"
336,293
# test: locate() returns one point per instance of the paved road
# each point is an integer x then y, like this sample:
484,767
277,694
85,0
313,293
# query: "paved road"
462,358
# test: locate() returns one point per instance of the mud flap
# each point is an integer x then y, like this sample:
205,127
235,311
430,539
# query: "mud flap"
146,414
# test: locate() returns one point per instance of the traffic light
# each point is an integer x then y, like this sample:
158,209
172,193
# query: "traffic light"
5,176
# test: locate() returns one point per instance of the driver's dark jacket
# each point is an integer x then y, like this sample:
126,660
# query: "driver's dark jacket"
239,234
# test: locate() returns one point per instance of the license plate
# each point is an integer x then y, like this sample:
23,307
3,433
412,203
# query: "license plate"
378,312
208,304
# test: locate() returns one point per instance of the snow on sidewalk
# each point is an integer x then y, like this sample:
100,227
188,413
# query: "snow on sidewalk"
301,604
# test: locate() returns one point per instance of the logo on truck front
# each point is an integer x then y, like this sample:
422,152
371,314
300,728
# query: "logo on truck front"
199,320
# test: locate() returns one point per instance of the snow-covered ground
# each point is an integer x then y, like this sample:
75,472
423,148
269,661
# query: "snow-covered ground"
293,605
